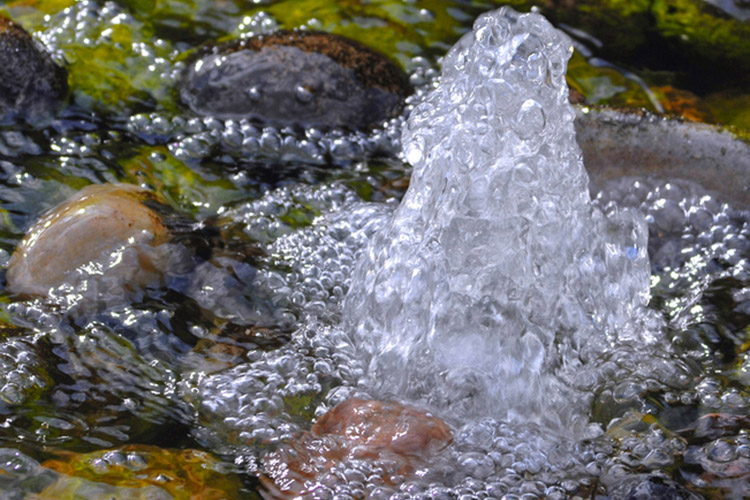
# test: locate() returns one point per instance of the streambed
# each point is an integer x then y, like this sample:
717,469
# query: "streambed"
245,351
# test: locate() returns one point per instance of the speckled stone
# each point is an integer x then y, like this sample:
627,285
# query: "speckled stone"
31,84
295,78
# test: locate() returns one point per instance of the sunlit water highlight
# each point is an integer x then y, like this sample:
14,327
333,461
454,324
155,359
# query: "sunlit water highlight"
128,376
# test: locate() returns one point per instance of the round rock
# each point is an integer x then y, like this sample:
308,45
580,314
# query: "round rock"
403,437
31,84
304,78
103,231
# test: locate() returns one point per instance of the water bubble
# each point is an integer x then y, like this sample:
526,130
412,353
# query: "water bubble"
303,93
255,93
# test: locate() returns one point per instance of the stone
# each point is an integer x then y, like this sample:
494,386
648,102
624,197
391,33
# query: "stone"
305,78
398,437
651,488
32,85
103,230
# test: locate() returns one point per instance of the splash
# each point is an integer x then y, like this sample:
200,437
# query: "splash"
497,281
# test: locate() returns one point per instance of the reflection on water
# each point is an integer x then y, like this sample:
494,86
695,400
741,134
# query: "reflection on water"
241,353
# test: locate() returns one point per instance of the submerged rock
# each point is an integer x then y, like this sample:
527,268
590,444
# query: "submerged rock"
651,488
103,231
303,78
396,437
31,84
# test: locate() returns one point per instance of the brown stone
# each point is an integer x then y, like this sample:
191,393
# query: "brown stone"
403,437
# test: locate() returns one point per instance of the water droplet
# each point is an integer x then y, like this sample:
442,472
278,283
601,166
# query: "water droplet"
303,93
255,94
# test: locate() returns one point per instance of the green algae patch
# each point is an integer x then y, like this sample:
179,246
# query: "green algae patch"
399,29
141,471
605,86
23,376
198,194
31,13
702,33
621,25
115,63
732,108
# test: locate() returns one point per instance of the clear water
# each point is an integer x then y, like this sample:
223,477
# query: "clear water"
241,352
497,284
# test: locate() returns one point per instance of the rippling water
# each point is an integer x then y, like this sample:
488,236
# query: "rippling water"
244,349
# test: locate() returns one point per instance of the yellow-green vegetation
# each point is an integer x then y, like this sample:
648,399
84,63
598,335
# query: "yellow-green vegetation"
621,25
141,471
111,75
114,64
701,33
605,86
183,187
732,108
31,13
399,29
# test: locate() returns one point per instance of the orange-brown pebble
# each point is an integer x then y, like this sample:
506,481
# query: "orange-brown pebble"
403,437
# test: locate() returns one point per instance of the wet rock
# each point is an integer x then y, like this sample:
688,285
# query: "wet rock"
618,144
652,488
141,471
302,78
103,230
31,84
716,425
705,35
395,437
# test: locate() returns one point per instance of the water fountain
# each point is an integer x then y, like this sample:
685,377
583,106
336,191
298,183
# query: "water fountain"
497,283
500,299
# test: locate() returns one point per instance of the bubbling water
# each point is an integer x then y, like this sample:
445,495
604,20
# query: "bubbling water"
497,282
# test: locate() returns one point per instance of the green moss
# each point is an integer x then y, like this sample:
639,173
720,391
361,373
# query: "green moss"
399,29
607,86
30,13
732,108
184,188
300,216
621,25
700,32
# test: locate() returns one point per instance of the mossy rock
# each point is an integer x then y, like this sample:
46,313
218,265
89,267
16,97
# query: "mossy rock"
141,471
604,85
732,107
621,25
704,34
23,375
400,29
188,189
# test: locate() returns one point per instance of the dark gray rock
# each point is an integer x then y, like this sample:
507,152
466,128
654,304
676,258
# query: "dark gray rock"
32,86
295,78
651,488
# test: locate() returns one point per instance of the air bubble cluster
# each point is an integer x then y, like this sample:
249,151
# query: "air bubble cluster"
496,281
